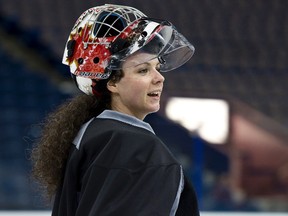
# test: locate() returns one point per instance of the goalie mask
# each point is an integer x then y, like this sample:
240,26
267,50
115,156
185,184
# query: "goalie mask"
104,37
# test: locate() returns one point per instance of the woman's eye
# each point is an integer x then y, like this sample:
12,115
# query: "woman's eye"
145,70
158,67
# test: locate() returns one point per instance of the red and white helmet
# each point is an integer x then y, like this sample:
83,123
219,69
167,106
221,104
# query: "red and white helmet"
104,36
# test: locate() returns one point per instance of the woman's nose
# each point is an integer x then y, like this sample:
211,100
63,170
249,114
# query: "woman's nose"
158,77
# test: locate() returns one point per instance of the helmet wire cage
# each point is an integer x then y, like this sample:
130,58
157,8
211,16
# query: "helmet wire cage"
100,25
87,50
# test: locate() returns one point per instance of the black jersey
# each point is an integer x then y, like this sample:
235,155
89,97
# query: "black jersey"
119,167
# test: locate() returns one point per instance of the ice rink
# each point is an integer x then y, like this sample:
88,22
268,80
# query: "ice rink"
47,213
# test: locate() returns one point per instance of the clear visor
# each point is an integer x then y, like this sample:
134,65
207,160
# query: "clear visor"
159,40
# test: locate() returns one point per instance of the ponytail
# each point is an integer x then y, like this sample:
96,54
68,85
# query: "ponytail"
59,130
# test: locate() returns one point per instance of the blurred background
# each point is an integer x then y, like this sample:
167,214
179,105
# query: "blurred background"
241,59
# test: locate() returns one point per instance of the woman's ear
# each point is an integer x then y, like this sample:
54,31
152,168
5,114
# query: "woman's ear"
112,86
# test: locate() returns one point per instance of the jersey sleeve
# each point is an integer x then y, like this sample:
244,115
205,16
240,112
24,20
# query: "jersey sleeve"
149,191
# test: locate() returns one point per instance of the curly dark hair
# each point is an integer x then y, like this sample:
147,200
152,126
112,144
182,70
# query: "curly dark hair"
60,127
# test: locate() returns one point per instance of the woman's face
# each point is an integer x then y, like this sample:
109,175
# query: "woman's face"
139,90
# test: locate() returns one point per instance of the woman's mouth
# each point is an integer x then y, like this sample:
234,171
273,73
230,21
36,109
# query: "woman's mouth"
154,93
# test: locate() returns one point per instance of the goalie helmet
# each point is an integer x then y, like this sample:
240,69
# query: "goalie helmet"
104,37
